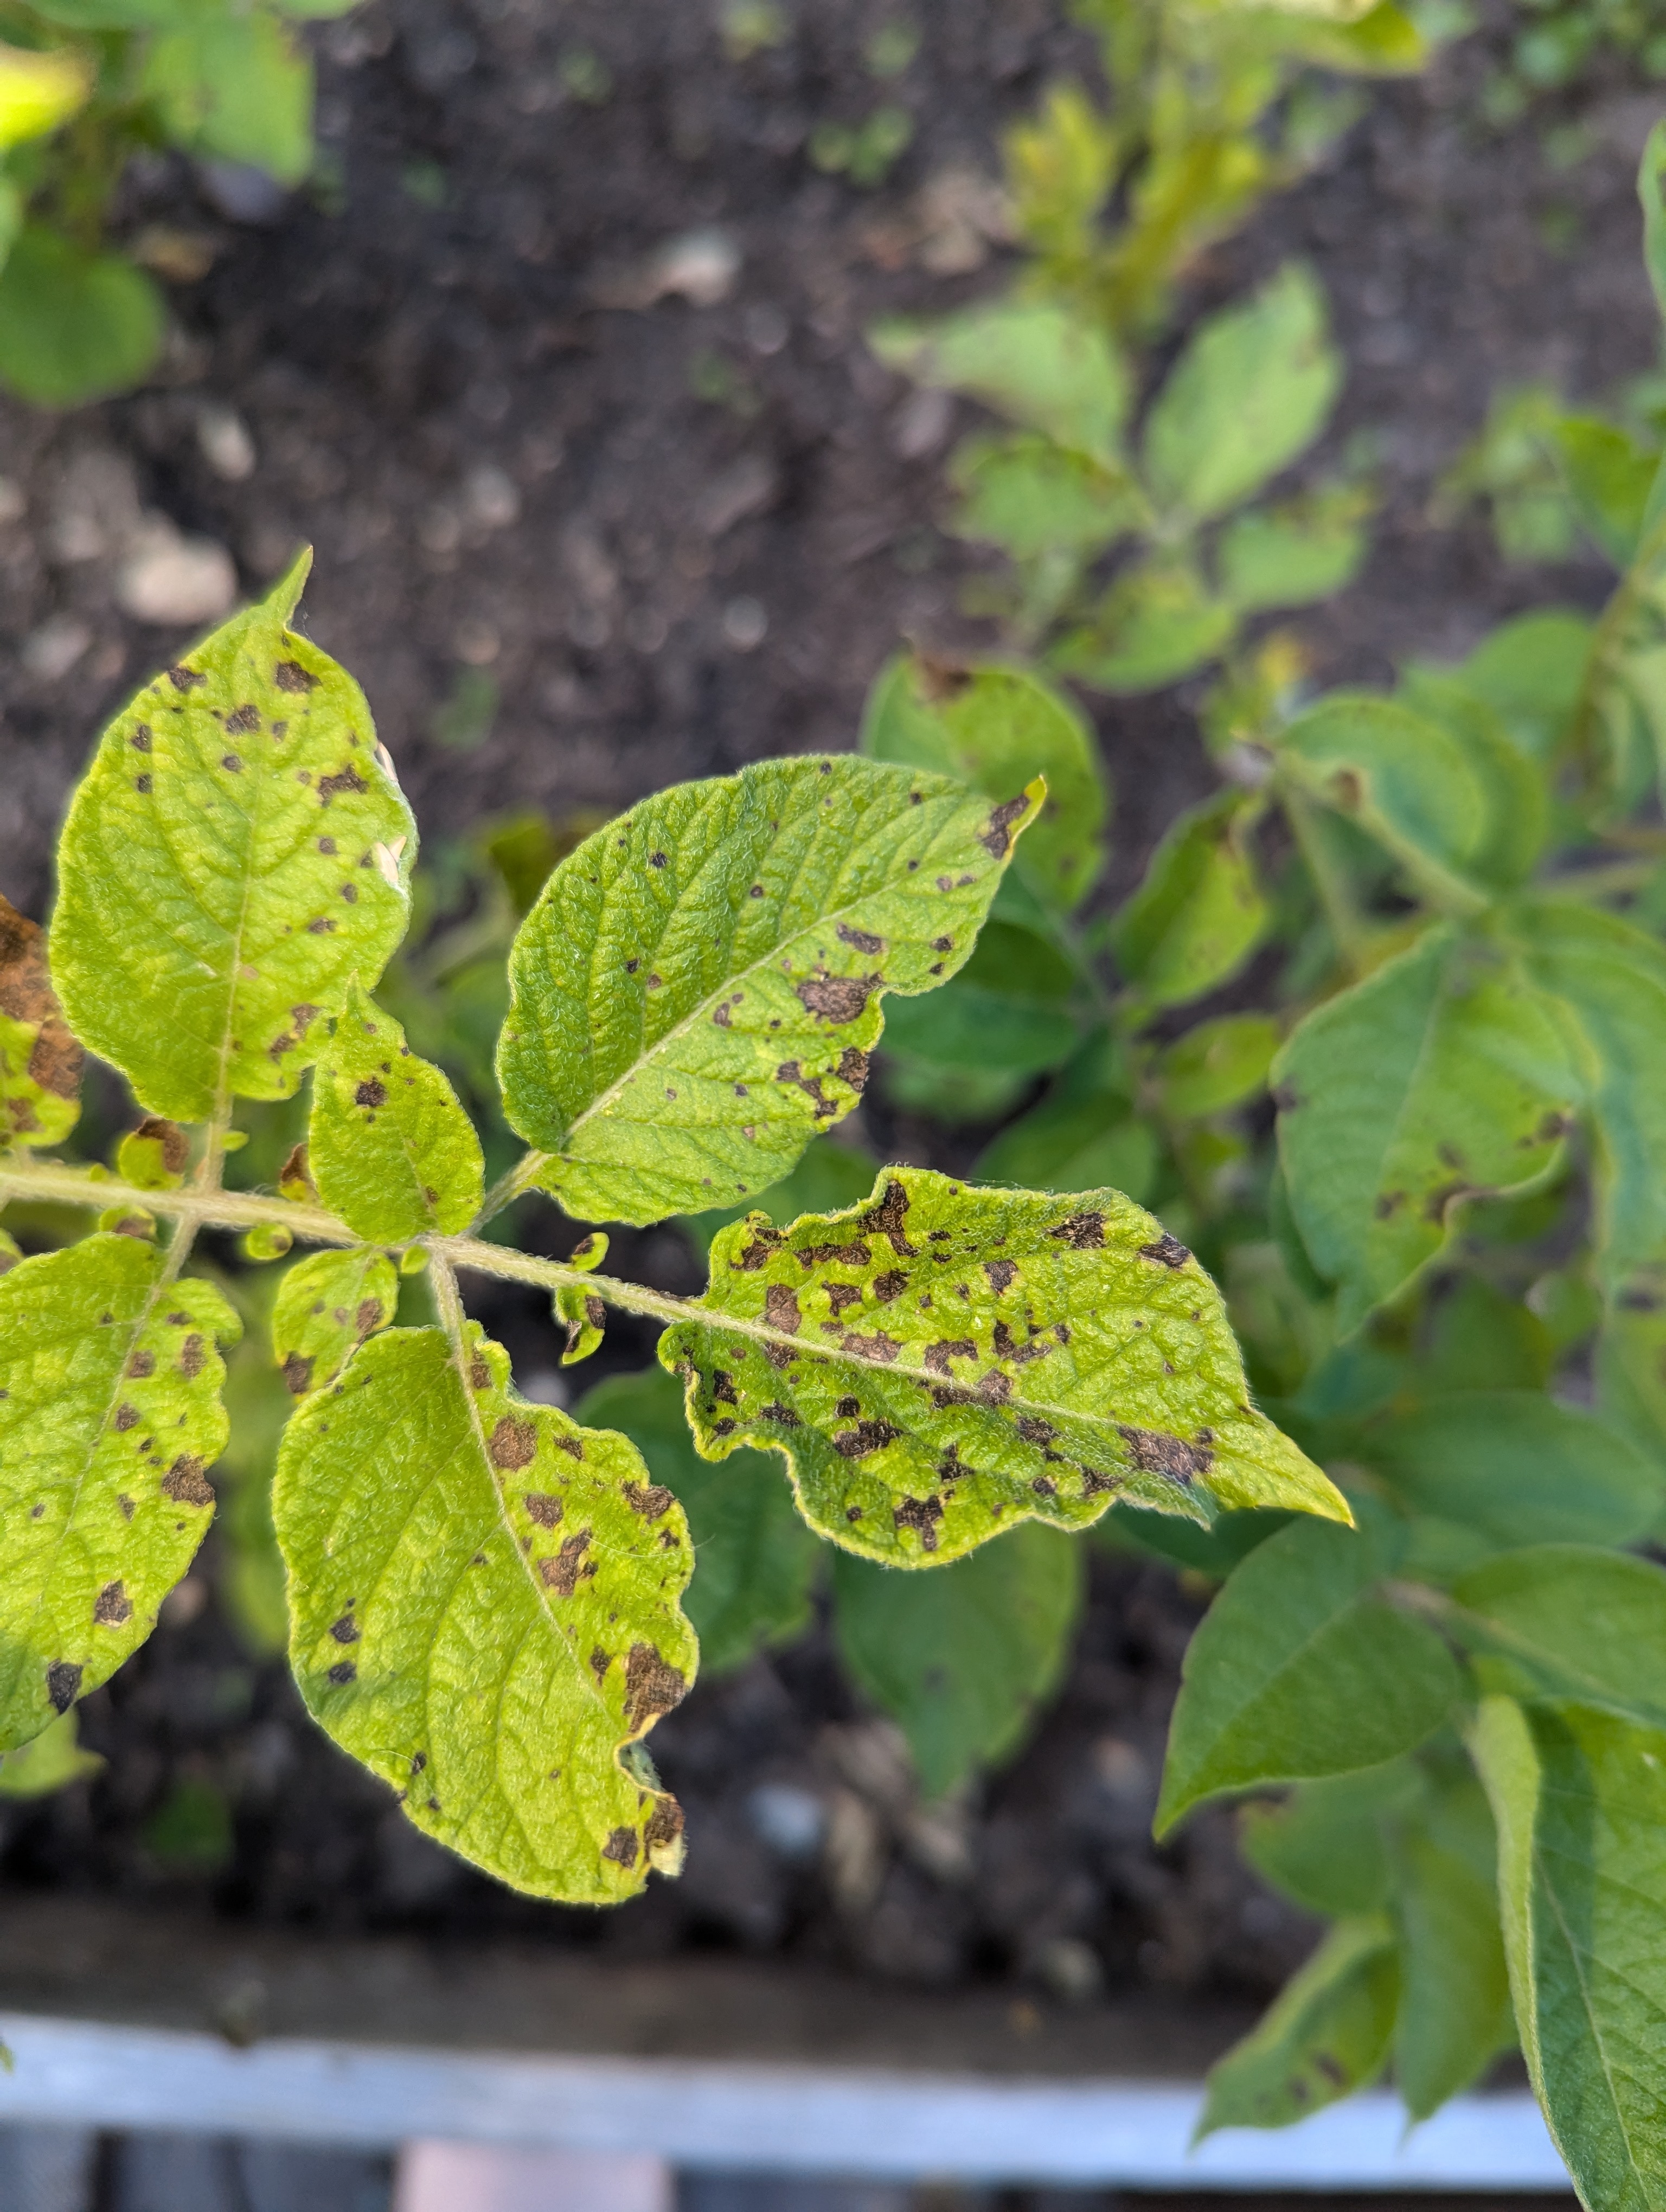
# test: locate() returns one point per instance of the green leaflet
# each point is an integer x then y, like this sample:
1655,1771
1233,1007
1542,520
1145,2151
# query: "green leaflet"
484,1600
1517,1468
74,326
1008,1010
1325,2035
696,993
235,87
1075,1144
1454,2015
1580,1801
1252,391
944,1361
995,727
110,1415
1300,1669
50,1762
1578,1621
39,1060
1198,914
1294,555
1531,672
326,1305
754,1560
1216,1065
962,1659
390,1149
830,1175
1441,1076
1039,502
1040,364
1326,1847
237,851
1155,625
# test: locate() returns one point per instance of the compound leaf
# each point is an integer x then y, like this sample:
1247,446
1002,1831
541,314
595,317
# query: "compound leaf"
325,1307
39,1060
109,1416
962,1659
1581,1621
996,728
1580,1801
485,1612
755,1559
697,991
944,1362
1441,1076
1325,2035
237,851
1300,1669
1252,391
1517,1468
1200,912
390,1148
1039,364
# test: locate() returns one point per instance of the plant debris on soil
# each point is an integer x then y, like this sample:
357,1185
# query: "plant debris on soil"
561,370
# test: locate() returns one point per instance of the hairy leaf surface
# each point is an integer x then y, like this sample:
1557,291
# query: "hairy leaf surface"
109,1416
961,1660
1441,1076
485,1612
696,993
754,1559
1580,1801
1300,1668
1581,1622
944,1362
39,1060
326,1305
237,851
997,727
1325,2035
390,1148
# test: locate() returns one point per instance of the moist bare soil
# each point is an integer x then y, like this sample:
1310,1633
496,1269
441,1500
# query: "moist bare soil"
561,370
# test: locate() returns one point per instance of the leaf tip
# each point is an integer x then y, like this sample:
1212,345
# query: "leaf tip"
284,597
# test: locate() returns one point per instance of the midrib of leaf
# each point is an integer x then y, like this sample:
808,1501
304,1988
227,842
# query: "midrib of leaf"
525,1170
1578,1958
450,1304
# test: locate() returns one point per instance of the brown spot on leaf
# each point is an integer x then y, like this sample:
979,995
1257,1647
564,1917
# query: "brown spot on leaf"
298,1374
26,995
621,1847
1085,1231
652,1686
866,1436
562,1573
141,1365
242,719
182,678
780,1309
723,1386
864,940
542,1508
62,1680
127,1417
598,1663
665,1824
1154,1452
853,1254
290,676
837,999
372,1092
176,1145
112,1606
840,1295
346,1630
342,1673
1388,1203
891,1284
140,739
854,1068
193,1357
922,1515
344,779
367,1317
513,1443
571,1445
937,1356
878,1347
996,838
186,1483
1035,1431
650,1499
782,1416
887,1218
480,1374
1001,1274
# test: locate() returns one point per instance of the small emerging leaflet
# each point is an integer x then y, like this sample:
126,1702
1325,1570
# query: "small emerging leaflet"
945,1362
326,1305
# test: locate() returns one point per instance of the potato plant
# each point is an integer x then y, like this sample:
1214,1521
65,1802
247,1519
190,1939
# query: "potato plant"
84,85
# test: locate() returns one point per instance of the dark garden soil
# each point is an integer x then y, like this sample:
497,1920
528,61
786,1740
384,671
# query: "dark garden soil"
580,533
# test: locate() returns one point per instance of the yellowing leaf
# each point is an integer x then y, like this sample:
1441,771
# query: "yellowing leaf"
39,91
696,992
110,1416
39,1060
485,1612
237,852
944,1362
326,1305
388,1146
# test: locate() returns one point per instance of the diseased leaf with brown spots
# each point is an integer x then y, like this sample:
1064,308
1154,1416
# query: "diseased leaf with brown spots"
390,1148
326,1305
39,1060
697,991
238,850
110,1416
486,1612
944,1362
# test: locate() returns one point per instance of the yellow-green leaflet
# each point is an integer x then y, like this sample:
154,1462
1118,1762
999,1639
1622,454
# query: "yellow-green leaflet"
326,1305
485,1612
238,850
944,1362
39,1060
390,1149
110,1416
696,993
